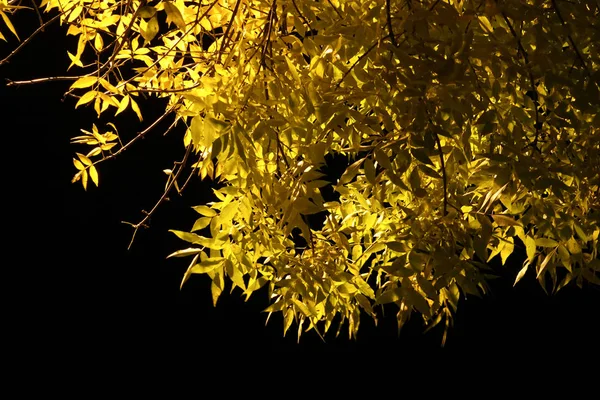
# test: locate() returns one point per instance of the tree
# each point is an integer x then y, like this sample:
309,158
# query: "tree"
470,128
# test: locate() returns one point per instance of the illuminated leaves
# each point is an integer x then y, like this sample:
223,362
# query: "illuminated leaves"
501,95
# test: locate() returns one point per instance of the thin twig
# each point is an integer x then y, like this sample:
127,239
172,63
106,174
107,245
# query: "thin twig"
41,80
335,9
19,47
143,90
162,198
388,10
137,137
226,37
304,20
443,168
571,41
525,57
359,60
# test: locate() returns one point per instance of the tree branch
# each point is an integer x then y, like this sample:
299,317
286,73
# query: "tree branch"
443,168
531,81
38,30
162,198
388,10
571,41
41,80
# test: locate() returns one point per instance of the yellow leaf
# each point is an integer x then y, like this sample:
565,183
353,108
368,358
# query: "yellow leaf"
84,159
216,292
531,247
76,177
86,98
9,24
521,273
108,86
98,42
123,105
94,152
174,15
545,242
84,81
84,179
74,60
151,29
78,164
94,174
485,22
136,109
147,12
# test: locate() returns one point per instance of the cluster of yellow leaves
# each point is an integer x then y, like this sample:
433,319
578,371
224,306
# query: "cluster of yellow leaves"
102,143
472,128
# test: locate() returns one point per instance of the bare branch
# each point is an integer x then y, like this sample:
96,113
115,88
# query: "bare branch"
41,80
162,198
571,41
19,47
137,137
388,10
443,168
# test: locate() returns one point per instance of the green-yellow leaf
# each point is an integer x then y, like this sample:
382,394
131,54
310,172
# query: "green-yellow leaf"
421,155
151,29
545,242
147,12
174,15
215,292
503,220
530,247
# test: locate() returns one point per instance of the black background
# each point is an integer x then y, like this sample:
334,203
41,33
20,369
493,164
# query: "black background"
80,281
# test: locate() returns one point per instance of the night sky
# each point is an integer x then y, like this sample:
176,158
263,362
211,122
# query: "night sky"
87,284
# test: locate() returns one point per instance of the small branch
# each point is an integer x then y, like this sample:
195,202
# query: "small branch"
37,11
41,80
19,47
226,37
301,16
571,41
143,90
388,10
123,37
359,60
137,137
162,198
335,9
443,168
531,81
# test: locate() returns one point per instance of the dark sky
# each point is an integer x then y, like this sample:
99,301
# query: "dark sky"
92,285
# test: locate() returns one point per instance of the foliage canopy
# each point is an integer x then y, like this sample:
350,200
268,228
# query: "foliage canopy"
472,126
